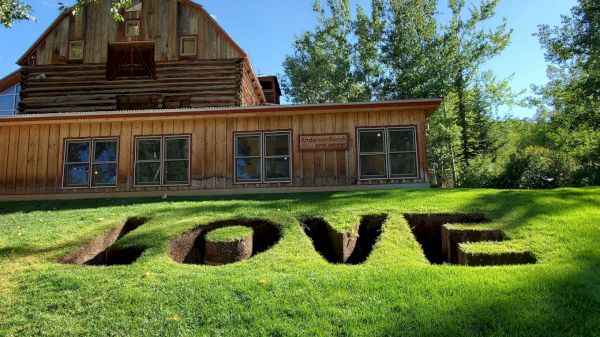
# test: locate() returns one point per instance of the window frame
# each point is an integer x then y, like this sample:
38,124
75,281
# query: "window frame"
71,42
386,146
16,98
92,154
162,160
390,152
188,55
236,157
262,143
139,24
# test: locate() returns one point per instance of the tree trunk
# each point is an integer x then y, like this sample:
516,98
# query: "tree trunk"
459,85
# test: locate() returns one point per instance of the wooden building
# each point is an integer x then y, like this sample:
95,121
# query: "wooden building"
167,102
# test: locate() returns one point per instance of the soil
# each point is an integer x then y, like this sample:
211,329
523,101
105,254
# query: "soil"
190,247
117,256
352,247
452,237
427,229
224,252
500,259
99,251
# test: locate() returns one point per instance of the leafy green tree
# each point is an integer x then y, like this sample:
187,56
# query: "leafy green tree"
466,47
570,103
320,69
12,11
369,34
411,54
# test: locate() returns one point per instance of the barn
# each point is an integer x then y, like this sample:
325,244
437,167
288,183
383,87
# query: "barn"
166,102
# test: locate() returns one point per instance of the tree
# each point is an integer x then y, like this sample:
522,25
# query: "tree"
465,48
320,69
388,54
483,100
369,33
411,52
570,103
12,11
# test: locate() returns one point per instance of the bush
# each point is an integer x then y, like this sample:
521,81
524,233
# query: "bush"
482,172
535,167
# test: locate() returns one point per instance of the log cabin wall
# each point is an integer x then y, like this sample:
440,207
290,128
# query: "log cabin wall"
219,74
181,84
33,152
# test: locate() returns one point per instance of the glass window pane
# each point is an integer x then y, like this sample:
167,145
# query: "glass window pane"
277,168
372,166
277,145
78,152
148,149
147,174
76,50
132,28
247,169
76,175
105,150
7,112
402,140
104,175
248,146
371,141
176,172
403,164
176,148
188,45
7,102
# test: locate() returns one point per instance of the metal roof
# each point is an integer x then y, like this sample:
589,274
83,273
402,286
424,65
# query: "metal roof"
425,103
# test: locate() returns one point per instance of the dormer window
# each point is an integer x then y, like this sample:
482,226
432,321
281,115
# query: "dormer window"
75,50
188,45
132,28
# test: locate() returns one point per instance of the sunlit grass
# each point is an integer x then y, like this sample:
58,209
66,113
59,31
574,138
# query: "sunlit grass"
290,289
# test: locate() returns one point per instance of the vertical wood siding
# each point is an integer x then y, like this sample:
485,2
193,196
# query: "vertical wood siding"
162,21
31,153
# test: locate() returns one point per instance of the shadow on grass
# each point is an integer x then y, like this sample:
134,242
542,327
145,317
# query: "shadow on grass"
269,201
543,303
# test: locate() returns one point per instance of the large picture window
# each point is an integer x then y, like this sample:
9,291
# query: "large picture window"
387,153
162,161
263,157
90,163
9,100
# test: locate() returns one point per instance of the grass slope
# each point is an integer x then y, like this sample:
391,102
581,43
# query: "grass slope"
290,290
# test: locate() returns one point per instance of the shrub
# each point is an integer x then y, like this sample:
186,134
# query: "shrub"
535,167
482,172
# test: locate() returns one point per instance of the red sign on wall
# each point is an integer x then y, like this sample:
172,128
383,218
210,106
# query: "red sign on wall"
330,142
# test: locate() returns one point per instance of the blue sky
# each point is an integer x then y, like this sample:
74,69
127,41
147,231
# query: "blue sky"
265,29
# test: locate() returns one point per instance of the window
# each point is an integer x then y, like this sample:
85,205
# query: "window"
387,153
130,60
162,161
9,100
132,28
263,157
98,154
188,45
75,50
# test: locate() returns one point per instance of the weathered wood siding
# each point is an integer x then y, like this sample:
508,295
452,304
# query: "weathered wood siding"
218,75
162,21
84,87
31,152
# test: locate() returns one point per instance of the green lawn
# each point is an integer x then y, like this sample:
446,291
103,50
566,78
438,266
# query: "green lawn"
290,289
